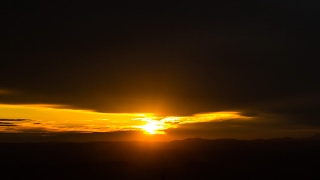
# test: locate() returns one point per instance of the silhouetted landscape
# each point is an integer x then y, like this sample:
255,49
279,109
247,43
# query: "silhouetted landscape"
195,158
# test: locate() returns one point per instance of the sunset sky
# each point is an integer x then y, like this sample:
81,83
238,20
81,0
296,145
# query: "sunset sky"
163,70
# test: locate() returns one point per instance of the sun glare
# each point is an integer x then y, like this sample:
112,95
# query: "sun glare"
152,128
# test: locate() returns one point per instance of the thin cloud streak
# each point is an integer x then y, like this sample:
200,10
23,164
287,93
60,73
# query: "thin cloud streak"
6,92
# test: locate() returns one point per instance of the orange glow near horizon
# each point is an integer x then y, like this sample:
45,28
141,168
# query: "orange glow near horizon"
55,118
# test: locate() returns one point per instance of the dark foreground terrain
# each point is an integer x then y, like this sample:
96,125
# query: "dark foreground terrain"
187,159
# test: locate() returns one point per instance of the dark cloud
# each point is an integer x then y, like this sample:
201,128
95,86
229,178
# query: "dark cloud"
10,122
268,126
7,124
257,57
300,110
13,119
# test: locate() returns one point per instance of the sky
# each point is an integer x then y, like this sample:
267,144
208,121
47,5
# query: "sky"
135,70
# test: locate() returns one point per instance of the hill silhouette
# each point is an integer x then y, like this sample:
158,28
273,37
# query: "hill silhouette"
194,158
314,137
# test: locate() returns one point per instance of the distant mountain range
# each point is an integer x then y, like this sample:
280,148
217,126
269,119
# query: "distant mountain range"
284,139
121,136
193,158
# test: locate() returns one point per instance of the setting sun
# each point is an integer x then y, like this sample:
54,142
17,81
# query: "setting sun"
153,128
150,128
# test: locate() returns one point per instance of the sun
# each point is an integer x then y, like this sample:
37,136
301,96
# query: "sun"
153,128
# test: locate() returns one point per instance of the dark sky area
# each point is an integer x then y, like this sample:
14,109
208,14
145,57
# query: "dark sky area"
171,58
